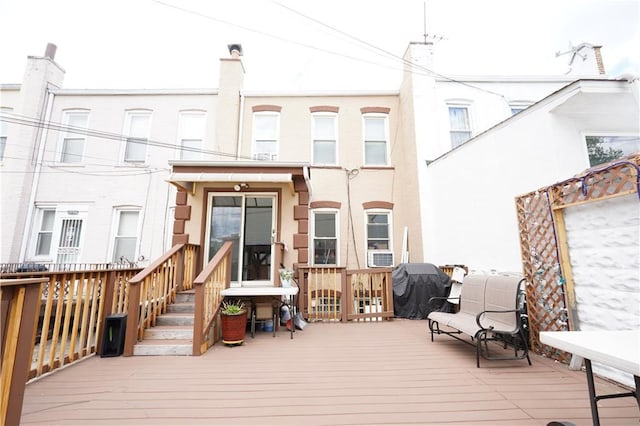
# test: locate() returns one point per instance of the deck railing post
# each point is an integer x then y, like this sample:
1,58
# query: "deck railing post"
180,269
198,318
21,301
133,314
345,295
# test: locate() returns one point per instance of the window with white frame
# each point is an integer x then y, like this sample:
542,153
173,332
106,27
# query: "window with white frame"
459,124
378,234
4,131
73,138
137,128
375,140
192,128
516,107
325,139
126,235
602,149
265,131
325,237
45,232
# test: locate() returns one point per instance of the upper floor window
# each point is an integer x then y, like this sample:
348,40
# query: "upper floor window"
125,238
375,140
325,237
603,149
192,128
137,128
265,140
324,139
459,124
378,234
4,131
73,139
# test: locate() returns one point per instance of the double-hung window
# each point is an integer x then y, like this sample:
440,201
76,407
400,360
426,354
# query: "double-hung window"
378,234
192,127
325,237
137,127
324,139
459,124
602,149
4,131
45,232
265,130
376,147
126,235
73,139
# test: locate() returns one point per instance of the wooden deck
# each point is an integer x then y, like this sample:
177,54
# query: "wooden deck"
329,374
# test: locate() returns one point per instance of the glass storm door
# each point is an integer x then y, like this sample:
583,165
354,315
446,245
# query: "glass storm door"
248,220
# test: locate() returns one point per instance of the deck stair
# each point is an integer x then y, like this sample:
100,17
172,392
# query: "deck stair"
173,333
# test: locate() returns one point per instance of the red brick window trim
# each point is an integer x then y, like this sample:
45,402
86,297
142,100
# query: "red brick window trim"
377,205
263,108
375,110
325,205
324,108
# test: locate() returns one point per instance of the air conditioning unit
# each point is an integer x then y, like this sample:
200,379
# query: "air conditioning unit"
379,258
265,156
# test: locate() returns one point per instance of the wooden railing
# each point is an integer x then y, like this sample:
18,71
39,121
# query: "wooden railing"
153,289
59,318
215,277
370,294
18,319
329,293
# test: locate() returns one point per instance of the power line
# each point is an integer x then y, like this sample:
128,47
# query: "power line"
56,126
387,53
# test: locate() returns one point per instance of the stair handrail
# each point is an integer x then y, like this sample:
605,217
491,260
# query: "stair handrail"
208,286
151,291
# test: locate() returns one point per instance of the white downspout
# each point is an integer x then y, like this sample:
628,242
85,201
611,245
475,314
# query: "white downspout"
36,178
240,124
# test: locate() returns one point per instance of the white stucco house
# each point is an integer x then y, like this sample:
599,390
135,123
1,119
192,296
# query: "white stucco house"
468,183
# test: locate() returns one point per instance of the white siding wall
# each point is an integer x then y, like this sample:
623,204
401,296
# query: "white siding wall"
604,249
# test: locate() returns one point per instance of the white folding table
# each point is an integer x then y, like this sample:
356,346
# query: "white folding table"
617,349
289,294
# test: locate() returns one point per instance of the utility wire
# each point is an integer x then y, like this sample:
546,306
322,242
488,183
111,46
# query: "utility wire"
387,53
85,131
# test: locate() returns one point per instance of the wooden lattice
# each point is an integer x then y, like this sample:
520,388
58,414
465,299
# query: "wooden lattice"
540,223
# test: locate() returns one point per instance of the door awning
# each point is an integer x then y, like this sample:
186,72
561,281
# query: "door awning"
186,180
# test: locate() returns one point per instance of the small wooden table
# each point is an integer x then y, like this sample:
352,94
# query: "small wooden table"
289,294
617,349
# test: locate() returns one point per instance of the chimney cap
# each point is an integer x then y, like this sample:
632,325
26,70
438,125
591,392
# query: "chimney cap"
237,47
50,51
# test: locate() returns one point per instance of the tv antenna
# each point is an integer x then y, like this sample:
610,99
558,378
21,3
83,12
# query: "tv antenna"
428,37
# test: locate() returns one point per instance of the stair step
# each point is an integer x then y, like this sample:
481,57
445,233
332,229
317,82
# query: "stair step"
163,348
175,319
181,307
188,296
169,332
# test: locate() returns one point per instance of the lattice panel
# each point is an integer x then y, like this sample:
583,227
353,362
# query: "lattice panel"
545,284
546,301
616,179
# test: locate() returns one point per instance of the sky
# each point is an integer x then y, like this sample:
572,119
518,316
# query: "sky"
309,45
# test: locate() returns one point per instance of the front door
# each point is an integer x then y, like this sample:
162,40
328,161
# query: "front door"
248,220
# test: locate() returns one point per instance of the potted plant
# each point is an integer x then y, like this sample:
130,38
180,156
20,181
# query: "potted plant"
233,316
285,277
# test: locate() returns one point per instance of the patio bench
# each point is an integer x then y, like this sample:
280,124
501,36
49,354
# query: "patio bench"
489,312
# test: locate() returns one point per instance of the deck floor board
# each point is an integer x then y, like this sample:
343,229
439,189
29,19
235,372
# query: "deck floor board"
372,373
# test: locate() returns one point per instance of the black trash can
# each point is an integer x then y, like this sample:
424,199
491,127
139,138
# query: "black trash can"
115,327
